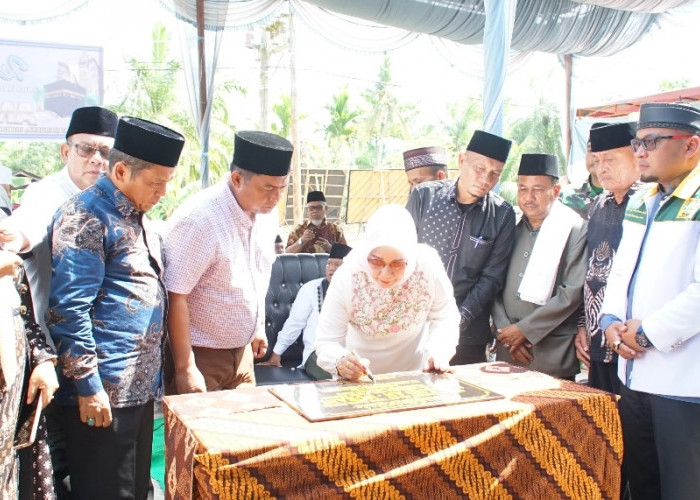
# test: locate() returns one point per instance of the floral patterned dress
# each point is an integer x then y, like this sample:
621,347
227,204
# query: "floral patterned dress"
396,329
30,349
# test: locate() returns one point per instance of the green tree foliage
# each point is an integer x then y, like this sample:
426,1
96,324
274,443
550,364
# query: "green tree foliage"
340,133
153,95
670,85
464,118
283,112
39,158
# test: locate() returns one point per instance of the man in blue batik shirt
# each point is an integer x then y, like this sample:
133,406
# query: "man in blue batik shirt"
106,314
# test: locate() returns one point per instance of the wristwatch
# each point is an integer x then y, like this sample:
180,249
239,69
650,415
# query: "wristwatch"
641,338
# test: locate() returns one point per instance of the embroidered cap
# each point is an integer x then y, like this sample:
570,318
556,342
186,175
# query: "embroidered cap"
539,164
431,156
339,251
315,196
92,120
669,115
262,153
490,145
611,136
148,141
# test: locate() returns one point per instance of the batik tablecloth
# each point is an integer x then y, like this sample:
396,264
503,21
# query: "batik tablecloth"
546,439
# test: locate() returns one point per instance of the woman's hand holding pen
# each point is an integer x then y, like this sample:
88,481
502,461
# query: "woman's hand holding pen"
352,367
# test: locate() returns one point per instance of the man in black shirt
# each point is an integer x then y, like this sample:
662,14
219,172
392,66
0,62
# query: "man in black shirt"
618,175
472,229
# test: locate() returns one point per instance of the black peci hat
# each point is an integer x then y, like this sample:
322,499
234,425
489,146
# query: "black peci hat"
315,196
490,145
262,153
92,120
148,141
612,136
539,164
339,251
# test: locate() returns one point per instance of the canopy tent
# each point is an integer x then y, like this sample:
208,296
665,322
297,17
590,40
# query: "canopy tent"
628,106
568,28
619,111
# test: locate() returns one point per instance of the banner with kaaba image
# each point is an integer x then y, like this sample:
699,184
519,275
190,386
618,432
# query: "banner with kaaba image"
41,84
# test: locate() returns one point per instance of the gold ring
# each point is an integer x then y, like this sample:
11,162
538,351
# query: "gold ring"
616,345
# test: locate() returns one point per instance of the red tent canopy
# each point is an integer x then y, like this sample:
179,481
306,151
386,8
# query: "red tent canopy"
622,108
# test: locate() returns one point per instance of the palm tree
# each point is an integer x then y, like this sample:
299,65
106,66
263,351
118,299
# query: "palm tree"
386,118
340,131
153,95
464,118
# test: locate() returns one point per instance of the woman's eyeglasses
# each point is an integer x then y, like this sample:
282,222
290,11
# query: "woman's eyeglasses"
379,264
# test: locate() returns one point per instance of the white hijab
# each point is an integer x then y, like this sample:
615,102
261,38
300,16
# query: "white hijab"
390,226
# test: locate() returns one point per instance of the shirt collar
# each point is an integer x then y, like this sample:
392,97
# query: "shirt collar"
66,177
609,196
239,215
452,194
124,205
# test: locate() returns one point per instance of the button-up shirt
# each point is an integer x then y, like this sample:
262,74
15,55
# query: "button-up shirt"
33,217
107,301
474,246
329,231
602,240
222,260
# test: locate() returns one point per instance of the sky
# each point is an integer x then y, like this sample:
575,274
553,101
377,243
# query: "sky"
420,73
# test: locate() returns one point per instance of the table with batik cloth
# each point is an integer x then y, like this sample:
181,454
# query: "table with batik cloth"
545,439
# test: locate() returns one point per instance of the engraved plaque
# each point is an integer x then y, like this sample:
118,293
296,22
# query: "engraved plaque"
335,399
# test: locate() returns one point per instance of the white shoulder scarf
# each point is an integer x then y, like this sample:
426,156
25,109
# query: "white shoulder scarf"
541,272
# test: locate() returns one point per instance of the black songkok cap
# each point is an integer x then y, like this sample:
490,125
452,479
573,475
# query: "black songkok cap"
612,136
339,251
148,141
262,153
278,239
92,120
539,164
490,145
315,196
669,115
431,156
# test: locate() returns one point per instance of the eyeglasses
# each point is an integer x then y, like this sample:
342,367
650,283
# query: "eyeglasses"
86,151
394,266
650,143
315,207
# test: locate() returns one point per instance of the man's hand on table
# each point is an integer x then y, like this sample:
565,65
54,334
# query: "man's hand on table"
275,360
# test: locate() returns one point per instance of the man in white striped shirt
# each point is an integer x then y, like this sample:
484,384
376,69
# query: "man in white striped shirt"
218,262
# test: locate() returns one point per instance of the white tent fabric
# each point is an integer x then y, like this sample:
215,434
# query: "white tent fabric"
37,11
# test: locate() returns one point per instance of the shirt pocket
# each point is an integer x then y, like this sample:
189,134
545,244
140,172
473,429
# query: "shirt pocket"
477,252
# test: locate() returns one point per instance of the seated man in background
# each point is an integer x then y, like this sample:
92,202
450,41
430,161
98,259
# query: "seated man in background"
425,164
315,235
305,310
279,245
